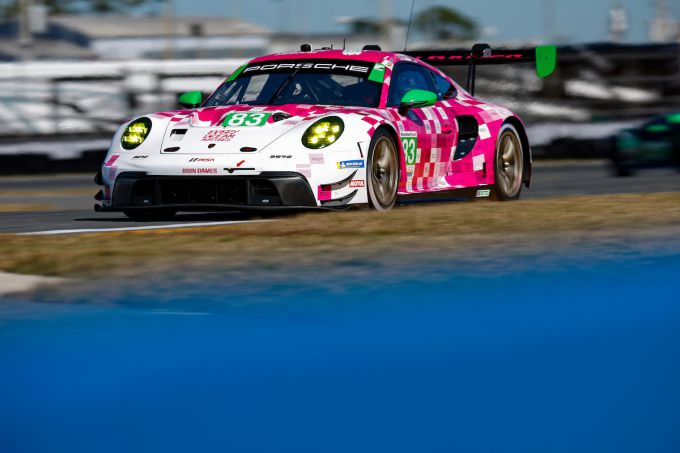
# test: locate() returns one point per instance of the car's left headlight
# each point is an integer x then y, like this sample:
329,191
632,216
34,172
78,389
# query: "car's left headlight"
323,133
135,133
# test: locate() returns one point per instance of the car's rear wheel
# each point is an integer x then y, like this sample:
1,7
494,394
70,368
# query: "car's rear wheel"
382,172
509,165
150,215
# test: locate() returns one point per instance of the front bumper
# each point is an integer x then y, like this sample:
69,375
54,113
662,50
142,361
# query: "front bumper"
137,190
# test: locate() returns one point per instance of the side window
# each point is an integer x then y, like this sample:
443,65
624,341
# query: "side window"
445,89
408,76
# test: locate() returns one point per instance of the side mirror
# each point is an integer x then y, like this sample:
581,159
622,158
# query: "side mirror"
416,99
191,100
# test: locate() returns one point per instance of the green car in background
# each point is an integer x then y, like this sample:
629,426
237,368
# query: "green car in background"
654,144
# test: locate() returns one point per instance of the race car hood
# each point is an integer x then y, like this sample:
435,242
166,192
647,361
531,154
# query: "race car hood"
217,130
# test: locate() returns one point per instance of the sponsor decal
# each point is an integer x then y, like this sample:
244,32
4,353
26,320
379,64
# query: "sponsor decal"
326,65
478,163
202,159
352,52
409,141
304,170
357,183
219,136
484,132
351,164
112,160
450,56
281,156
240,163
316,159
140,157
199,171
246,119
378,73
483,193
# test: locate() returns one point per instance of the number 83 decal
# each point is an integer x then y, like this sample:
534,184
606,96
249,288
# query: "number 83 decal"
248,119
410,145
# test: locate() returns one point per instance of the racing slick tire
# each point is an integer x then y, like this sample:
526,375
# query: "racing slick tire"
150,215
382,171
508,164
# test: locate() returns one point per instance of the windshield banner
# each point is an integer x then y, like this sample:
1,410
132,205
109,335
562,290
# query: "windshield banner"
358,68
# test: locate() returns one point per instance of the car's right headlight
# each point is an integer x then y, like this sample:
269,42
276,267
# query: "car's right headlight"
135,133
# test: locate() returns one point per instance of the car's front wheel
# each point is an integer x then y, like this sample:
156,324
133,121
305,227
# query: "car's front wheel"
382,172
509,166
150,215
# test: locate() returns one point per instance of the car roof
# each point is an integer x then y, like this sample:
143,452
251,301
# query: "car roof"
369,56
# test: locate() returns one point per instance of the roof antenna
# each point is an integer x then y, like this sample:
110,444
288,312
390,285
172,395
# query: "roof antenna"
413,2
343,43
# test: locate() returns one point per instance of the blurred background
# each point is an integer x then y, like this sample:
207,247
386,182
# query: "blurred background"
72,70
545,325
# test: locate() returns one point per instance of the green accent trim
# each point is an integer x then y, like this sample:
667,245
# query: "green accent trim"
191,100
656,128
377,73
238,72
419,98
546,60
674,118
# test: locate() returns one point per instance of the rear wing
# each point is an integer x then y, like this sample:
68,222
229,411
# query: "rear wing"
544,57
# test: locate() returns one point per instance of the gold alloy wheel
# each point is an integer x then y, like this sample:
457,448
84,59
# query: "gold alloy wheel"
384,173
509,163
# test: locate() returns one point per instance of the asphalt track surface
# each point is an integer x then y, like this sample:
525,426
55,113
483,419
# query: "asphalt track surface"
71,211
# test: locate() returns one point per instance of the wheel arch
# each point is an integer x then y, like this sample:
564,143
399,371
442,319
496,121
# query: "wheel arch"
526,148
392,131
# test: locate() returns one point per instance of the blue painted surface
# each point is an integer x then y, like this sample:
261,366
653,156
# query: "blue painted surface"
585,359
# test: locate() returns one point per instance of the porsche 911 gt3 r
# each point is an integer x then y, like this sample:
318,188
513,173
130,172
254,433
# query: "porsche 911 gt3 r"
323,129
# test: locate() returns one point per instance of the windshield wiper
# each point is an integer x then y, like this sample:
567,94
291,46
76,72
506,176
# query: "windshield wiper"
285,83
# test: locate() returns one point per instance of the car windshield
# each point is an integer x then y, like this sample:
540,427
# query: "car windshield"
321,82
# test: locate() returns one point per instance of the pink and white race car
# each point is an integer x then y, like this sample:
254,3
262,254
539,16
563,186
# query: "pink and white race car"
324,129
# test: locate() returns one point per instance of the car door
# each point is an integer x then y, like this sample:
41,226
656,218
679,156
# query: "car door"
425,133
659,138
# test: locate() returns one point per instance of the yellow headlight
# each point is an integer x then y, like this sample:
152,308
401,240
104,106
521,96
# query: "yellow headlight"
323,133
135,133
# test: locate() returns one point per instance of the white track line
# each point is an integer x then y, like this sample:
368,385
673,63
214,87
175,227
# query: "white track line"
153,227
